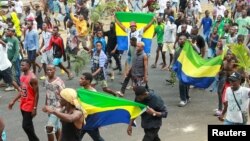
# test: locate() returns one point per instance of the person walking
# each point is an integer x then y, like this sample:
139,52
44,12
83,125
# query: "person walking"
151,120
85,82
29,96
53,85
72,117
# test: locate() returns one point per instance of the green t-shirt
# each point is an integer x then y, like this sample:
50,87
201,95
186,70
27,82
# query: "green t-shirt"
220,27
13,48
159,30
243,22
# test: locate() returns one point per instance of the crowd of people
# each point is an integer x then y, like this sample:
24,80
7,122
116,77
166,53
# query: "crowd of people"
31,41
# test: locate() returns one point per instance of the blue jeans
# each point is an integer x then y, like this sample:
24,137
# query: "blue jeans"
226,122
16,71
184,91
206,36
94,134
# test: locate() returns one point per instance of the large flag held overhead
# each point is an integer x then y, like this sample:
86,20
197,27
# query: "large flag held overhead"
192,69
103,109
141,19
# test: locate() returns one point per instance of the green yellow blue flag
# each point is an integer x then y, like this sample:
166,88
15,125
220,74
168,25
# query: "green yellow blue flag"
103,109
141,19
192,69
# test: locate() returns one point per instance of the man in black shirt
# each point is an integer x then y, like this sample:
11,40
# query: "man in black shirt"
111,46
182,33
198,42
151,120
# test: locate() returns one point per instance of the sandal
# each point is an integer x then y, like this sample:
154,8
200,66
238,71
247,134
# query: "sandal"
153,66
119,94
70,76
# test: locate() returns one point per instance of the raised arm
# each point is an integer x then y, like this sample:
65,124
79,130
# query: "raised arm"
147,26
120,24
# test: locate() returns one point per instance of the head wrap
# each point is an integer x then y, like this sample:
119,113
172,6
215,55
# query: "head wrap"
70,95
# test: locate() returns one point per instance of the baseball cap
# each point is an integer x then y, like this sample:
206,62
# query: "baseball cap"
235,76
30,19
133,23
171,18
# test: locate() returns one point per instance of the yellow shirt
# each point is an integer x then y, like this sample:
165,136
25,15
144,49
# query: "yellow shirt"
81,26
16,22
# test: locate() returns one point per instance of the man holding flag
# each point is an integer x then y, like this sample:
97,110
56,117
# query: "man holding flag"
132,31
151,120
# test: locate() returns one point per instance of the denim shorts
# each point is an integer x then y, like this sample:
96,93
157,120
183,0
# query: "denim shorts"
54,122
32,55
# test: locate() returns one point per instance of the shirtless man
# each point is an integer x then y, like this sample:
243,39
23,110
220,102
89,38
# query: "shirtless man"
169,11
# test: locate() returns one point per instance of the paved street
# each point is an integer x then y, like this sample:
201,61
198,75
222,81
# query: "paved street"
188,123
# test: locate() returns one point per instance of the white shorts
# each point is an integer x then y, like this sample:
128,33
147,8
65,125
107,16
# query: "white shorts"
47,58
168,47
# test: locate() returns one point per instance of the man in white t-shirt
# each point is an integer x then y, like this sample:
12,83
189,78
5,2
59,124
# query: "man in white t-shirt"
169,37
5,68
231,108
18,6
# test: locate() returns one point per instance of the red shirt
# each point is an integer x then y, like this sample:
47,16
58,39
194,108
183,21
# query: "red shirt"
27,94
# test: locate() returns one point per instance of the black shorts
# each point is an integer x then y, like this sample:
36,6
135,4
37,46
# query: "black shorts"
160,45
32,55
6,75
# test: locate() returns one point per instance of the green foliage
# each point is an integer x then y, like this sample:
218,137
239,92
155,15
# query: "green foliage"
79,61
103,10
242,55
71,1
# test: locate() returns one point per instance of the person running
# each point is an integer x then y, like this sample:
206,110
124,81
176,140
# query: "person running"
85,82
72,116
29,97
58,51
53,85
99,66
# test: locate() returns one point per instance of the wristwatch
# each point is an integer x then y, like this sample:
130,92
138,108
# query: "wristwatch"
154,114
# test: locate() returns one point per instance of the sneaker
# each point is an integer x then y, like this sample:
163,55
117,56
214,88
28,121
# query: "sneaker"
182,103
112,76
10,89
62,71
189,100
217,113
42,77
129,87
119,94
